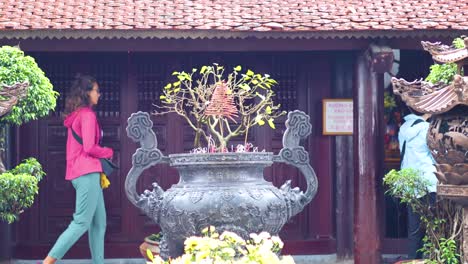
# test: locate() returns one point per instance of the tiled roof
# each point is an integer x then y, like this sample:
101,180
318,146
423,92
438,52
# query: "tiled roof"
425,97
445,54
277,16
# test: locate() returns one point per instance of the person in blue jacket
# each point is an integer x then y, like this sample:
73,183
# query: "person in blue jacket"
412,139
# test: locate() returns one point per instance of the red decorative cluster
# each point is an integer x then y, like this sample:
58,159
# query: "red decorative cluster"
222,103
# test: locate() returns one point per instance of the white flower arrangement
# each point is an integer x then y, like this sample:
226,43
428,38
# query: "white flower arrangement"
229,248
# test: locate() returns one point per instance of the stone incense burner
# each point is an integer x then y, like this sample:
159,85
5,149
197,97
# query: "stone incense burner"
225,190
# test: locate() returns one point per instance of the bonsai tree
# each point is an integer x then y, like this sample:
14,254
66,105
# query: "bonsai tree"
25,94
219,107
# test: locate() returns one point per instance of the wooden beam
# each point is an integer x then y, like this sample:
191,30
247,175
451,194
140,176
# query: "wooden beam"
368,156
185,45
342,87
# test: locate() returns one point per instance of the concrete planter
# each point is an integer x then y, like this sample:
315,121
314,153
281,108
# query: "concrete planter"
152,245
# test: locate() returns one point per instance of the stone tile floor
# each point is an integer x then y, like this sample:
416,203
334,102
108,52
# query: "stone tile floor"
299,259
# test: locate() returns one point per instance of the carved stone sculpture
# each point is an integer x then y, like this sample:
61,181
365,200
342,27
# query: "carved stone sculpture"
448,133
447,137
10,95
226,190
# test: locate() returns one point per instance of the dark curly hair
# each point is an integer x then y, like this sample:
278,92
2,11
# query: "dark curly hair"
78,95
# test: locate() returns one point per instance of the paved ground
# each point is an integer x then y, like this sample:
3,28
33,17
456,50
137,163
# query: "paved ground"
315,259
299,259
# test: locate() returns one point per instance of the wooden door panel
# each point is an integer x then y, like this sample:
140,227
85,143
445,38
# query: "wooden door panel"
55,226
59,202
286,70
144,78
61,192
152,73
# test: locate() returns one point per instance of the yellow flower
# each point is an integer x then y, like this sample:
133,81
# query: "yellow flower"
191,243
229,251
213,243
202,255
187,259
208,229
230,248
230,236
256,238
264,235
277,241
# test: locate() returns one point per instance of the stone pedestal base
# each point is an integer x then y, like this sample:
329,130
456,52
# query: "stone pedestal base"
459,195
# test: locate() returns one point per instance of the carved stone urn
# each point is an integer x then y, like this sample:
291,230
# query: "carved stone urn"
225,190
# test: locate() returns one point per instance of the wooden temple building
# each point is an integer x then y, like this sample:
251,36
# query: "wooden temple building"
316,50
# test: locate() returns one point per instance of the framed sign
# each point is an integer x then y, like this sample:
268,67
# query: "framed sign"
337,116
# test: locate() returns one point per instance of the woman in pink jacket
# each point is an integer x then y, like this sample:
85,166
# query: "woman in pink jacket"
83,170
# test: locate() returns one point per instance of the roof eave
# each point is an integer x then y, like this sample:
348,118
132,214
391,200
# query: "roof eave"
219,34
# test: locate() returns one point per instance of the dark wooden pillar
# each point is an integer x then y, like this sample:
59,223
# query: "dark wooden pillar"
368,152
342,87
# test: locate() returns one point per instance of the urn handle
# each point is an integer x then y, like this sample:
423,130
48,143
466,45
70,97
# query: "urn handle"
139,129
297,127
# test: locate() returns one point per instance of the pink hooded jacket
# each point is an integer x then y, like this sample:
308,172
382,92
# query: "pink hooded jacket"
84,159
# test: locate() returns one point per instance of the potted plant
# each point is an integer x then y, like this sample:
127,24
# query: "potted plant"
219,108
151,244
220,185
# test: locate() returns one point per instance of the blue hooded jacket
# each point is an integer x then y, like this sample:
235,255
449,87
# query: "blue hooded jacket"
417,153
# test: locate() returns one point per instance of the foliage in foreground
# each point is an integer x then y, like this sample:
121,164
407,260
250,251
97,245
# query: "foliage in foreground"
15,67
443,222
229,248
18,188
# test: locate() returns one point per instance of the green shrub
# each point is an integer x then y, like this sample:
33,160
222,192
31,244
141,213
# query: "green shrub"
18,188
442,222
29,166
458,43
41,98
442,73
406,184
155,237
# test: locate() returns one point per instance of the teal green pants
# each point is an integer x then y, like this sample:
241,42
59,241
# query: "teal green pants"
90,215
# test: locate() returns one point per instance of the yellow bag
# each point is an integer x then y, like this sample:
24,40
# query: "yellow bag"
104,181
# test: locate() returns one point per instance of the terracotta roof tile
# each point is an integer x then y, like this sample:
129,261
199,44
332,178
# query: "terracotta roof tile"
235,15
